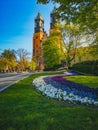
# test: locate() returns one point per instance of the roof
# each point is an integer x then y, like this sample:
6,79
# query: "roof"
39,16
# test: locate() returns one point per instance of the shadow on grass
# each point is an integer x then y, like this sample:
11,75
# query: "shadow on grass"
24,108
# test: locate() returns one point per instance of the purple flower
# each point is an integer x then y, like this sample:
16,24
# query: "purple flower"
69,86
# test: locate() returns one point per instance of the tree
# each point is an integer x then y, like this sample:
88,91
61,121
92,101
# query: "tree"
3,64
33,65
52,51
22,59
72,39
94,53
84,12
81,54
8,60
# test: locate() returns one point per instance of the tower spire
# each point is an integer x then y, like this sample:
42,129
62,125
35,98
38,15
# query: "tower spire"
39,23
53,17
38,37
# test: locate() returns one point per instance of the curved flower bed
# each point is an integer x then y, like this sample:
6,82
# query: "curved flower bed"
62,89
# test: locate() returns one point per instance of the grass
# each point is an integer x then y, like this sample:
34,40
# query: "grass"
91,81
24,108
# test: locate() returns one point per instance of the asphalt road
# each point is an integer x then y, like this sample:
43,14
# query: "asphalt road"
6,80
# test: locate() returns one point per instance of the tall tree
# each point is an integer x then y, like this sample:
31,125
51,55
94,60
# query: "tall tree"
52,51
82,12
22,59
3,64
72,39
8,60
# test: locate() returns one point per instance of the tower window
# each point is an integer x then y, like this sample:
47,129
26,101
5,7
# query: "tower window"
36,24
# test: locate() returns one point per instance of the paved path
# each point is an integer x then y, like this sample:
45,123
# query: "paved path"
6,80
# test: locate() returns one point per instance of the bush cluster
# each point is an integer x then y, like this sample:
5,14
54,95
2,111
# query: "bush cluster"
90,67
53,68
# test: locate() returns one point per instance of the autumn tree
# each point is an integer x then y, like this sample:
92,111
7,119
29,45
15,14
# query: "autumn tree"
33,65
3,64
8,60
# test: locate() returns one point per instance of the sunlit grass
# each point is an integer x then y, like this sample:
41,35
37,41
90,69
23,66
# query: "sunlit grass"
22,107
91,81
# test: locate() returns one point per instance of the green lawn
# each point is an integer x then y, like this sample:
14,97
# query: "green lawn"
24,108
91,81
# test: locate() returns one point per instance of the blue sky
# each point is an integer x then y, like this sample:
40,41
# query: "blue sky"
17,22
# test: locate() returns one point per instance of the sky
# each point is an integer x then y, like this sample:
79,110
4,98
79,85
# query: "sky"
17,22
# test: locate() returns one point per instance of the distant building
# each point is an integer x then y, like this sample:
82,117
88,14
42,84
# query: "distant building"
39,36
53,20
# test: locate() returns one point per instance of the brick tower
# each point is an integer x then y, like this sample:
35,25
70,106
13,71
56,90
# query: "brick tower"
38,37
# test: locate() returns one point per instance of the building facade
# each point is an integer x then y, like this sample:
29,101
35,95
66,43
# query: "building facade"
38,37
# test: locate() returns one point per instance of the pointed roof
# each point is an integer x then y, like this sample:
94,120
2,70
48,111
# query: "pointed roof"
39,16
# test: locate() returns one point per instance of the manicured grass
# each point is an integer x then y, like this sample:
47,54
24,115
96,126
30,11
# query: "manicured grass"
22,107
91,81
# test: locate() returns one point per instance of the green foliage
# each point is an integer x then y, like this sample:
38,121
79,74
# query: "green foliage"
52,51
93,50
7,60
33,65
71,36
82,53
11,60
54,68
22,107
90,67
86,53
82,12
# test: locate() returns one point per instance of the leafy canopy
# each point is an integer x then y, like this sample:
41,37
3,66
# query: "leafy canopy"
52,51
83,12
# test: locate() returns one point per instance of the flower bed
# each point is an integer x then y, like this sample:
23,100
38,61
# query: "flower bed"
62,89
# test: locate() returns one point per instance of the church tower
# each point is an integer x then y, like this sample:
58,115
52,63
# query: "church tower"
38,37
53,19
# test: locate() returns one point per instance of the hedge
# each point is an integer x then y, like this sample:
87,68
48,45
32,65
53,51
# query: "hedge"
90,67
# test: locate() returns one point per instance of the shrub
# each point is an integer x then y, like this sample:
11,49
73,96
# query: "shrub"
53,68
90,67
